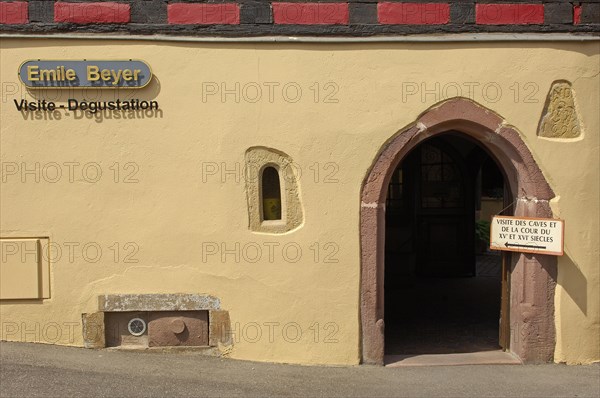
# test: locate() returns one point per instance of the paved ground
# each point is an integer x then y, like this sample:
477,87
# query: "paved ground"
445,315
33,370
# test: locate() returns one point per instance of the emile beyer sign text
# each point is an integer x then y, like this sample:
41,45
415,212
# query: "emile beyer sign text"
93,73
528,235
64,74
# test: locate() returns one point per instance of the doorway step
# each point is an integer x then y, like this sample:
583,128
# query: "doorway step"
496,357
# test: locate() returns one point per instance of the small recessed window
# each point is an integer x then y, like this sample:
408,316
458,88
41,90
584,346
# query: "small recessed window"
271,194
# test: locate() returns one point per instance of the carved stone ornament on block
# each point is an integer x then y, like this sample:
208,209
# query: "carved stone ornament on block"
560,118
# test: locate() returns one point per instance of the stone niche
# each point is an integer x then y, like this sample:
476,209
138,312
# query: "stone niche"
158,320
560,118
257,159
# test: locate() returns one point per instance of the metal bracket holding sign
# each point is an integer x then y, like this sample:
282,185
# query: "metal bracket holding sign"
527,235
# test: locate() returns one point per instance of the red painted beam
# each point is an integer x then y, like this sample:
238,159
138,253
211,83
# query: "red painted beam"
89,13
14,13
413,13
577,14
310,13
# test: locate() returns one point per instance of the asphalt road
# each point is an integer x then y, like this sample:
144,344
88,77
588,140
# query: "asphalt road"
36,370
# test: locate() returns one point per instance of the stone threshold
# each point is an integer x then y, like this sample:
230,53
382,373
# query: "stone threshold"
497,357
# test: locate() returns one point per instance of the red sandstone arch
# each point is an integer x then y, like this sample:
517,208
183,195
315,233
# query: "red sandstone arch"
533,277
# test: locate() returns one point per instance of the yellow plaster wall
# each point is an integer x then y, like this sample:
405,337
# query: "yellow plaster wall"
174,210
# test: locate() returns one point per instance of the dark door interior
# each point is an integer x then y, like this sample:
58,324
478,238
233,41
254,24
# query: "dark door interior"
430,213
444,292
444,212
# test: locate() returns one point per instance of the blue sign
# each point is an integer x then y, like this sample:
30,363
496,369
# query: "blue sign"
85,74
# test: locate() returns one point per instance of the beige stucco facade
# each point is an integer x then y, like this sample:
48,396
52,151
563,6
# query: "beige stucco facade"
169,212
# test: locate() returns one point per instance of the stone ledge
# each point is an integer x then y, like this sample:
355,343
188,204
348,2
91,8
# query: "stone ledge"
157,302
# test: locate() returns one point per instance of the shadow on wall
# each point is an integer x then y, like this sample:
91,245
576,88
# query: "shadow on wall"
150,92
573,282
92,104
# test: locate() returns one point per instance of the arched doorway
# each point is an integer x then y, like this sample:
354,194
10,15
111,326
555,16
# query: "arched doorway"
442,287
531,277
